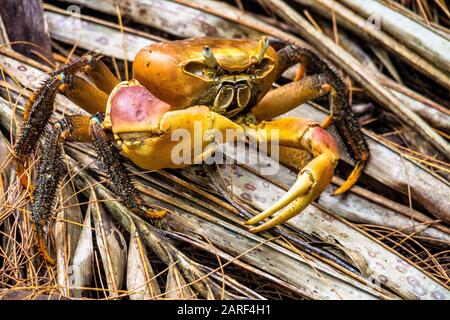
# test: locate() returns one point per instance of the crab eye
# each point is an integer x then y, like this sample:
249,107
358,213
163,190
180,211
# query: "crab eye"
210,60
200,69
195,68
261,69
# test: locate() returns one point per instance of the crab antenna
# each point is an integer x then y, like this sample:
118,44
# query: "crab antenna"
263,45
210,60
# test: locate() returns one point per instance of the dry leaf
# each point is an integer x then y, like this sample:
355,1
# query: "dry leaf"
141,280
67,231
83,260
176,287
112,247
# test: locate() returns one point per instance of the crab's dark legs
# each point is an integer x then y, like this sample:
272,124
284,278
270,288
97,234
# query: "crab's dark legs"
39,107
121,184
73,128
80,129
38,111
324,80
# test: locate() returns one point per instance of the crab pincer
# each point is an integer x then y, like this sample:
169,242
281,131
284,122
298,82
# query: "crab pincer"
312,179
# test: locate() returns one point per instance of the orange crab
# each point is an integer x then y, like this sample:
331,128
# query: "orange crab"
216,84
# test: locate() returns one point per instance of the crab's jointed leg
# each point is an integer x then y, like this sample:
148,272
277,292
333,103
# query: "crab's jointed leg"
80,129
291,95
312,179
111,161
85,95
91,98
322,79
73,128
102,76
39,106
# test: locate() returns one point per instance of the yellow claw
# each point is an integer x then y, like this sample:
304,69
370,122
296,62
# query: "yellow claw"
41,246
301,186
312,179
327,122
300,72
294,208
351,180
311,182
159,135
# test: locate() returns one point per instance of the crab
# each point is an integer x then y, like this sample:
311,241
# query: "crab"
214,84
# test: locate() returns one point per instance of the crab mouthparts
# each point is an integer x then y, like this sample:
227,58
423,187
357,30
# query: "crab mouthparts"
134,138
232,98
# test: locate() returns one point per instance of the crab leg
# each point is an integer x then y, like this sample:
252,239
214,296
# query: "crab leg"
85,95
326,81
312,179
111,161
91,98
102,76
39,107
291,95
80,129
73,128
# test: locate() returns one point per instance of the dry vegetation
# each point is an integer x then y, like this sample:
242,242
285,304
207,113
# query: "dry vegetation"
388,238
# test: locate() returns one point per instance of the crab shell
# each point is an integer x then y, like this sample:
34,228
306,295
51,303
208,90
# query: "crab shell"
172,71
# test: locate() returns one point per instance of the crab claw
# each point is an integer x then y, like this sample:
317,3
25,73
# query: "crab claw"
311,181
